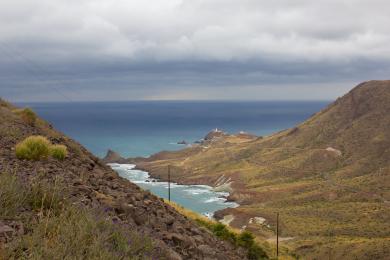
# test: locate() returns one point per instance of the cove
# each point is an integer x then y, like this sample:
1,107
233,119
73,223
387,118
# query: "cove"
199,198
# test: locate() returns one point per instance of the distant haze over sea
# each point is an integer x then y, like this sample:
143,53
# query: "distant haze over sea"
141,128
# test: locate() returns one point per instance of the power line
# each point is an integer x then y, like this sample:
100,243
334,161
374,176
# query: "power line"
277,235
169,182
35,69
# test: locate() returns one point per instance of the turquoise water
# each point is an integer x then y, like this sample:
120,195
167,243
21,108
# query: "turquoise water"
199,198
141,128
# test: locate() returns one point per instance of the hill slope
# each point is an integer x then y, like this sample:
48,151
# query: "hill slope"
329,177
86,183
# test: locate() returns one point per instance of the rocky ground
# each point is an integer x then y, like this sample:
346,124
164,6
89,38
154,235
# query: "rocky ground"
328,177
92,184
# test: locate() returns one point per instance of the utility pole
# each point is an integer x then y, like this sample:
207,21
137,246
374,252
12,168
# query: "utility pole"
277,235
169,182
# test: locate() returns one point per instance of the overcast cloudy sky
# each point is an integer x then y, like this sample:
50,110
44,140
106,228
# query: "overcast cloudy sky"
57,50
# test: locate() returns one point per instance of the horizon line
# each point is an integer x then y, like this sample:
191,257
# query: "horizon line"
176,100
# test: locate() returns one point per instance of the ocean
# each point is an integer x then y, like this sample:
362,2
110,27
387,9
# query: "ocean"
198,198
141,128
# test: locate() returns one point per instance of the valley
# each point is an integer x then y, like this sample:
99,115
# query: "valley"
328,177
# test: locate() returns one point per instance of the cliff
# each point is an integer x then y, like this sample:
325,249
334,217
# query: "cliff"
328,177
95,207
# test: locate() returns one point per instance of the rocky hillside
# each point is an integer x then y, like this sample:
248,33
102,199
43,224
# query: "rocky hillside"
86,183
328,177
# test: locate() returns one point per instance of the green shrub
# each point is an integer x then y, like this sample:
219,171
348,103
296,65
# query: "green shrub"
247,240
244,239
58,151
220,230
255,252
27,115
33,148
38,147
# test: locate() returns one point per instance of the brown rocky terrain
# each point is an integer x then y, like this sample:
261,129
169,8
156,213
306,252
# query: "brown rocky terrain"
91,184
113,156
328,177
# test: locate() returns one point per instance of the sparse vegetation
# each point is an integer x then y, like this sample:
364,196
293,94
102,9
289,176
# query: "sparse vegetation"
77,234
11,199
75,148
243,239
38,147
4,103
56,229
58,151
33,148
27,115
50,210
321,195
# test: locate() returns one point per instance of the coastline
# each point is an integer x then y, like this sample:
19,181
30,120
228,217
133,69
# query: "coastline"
85,182
218,214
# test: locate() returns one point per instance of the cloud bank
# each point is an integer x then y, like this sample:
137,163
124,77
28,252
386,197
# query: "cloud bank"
190,49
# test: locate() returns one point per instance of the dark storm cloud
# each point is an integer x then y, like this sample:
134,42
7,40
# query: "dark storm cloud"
190,49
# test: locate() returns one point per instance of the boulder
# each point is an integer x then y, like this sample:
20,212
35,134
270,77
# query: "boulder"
113,157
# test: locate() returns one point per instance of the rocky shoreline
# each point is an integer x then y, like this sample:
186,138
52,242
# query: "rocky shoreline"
218,215
335,162
92,184
224,185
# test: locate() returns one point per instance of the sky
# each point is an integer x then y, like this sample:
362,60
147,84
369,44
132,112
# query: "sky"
106,50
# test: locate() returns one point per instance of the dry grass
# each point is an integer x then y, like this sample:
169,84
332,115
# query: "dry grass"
5,103
316,191
234,236
56,229
27,115
11,197
33,148
38,148
58,151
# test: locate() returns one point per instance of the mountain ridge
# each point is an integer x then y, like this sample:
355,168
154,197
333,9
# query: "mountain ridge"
90,184
328,177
